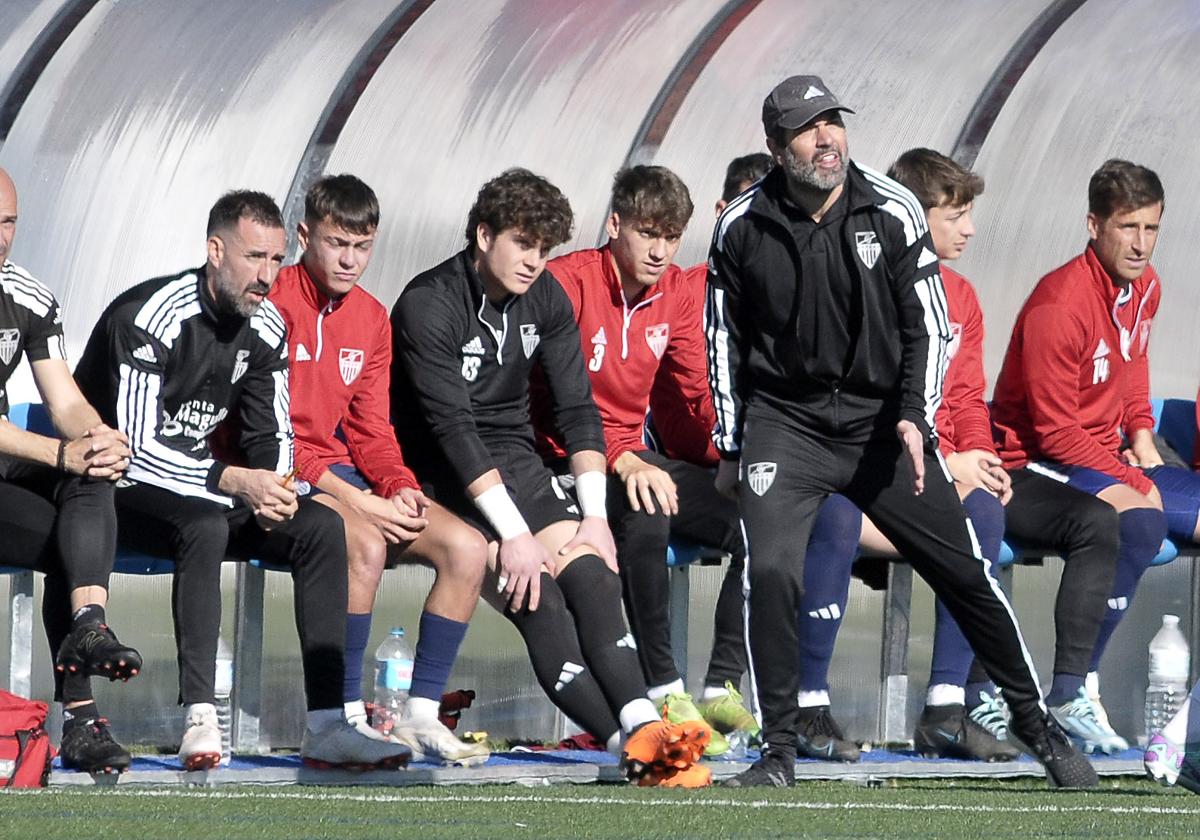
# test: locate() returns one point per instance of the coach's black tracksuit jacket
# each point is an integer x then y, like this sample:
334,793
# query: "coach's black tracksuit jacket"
826,317
821,337
166,367
461,370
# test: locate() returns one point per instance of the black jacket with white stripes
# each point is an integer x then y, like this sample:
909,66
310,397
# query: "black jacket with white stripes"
165,366
461,371
840,323
30,323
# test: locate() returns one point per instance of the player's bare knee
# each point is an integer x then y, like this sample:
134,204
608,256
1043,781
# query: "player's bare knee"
366,550
465,557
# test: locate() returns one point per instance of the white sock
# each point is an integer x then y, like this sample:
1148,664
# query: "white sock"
1091,684
944,694
809,699
354,709
422,708
1176,729
320,720
615,742
199,709
712,692
636,712
660,692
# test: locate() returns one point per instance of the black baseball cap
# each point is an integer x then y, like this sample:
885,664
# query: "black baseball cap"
796,101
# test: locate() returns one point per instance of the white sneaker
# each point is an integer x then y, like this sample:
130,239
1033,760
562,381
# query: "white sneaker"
345,746
1085,721
1092,686
201,745
430,740
363,725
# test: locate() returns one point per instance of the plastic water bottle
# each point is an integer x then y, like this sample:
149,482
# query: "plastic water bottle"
393,674
222,689
1169,663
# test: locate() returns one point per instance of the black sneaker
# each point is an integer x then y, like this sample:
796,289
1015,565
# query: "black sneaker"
89,747
94,650
948,732
1049,744
774,769
820,737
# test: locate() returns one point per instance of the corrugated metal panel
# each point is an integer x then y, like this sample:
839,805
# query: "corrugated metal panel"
477,87
1117,80
912,71
147,114
20,23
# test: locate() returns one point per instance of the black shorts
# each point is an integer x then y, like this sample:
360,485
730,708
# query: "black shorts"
542,497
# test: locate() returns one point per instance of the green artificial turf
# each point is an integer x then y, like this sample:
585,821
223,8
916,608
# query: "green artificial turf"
990,810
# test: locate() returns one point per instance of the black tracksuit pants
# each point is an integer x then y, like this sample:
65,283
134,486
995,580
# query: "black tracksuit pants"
705,518
66,527
787,470
1045,513
197,534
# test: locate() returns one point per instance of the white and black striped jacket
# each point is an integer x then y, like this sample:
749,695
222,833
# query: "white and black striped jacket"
30,323
845,328
166,367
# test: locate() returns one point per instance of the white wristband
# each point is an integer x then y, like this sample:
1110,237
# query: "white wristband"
591,488
498,507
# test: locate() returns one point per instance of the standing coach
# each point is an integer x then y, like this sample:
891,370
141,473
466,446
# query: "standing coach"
827,337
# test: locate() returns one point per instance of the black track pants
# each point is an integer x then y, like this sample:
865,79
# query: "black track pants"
705,518
1045,513
198,534
786,472
64,526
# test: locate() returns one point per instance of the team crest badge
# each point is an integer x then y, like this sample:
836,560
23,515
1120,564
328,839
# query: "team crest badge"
657,336
10,340
955,340
761,476
350,362
240,365
868,247
529,339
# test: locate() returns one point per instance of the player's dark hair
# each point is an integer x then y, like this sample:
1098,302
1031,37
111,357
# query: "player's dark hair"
936,179
345,201
243,204
743,171
653,195
519,199
1119,186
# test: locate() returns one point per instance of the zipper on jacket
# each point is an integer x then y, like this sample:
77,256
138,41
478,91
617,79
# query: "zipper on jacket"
500,336
325,310
629,317
836,402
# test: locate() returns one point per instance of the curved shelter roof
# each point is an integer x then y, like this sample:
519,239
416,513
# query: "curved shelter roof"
144,113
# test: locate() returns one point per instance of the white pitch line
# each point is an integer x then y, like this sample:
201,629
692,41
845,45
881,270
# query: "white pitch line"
1140,810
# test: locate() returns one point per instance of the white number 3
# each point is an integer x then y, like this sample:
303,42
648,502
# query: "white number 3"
597,358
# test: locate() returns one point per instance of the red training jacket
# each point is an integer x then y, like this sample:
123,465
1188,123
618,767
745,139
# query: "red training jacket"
340,358
1070,383
962,419
627,345
685,426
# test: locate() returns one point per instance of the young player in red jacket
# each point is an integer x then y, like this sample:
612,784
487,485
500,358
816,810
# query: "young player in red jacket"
1076,376
638,320
339,339
961,717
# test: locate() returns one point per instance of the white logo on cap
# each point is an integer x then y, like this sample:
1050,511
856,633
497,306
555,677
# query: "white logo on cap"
813,92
